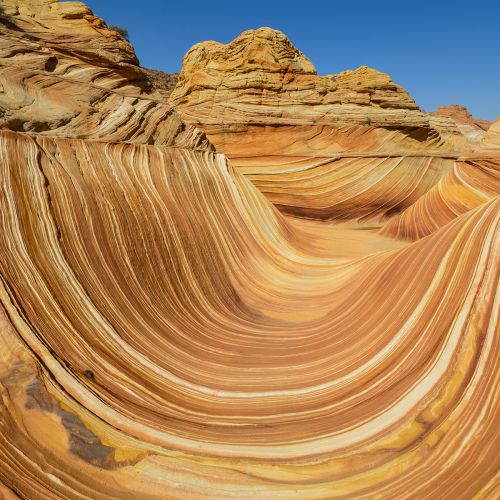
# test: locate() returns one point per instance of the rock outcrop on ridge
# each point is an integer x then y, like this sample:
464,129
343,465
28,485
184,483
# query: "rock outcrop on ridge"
473,129
261,80
299,137
85,77
462,115
491,139
169,330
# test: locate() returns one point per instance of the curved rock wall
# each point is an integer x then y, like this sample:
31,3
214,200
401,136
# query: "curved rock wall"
313,314
165,332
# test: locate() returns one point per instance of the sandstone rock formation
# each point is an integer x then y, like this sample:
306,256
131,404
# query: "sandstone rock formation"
169,328
85,77
472,128
461,115
295,134
492,138
261,79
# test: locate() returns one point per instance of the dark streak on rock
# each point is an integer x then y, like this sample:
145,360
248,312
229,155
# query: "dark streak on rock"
86,445
82,442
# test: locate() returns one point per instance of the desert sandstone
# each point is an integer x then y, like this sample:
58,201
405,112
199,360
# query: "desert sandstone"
264,284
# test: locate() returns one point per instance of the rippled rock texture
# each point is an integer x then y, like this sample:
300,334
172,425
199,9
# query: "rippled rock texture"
307,308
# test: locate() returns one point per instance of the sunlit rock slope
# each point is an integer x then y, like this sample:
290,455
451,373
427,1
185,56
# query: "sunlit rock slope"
63,72
349,146
492,138
473,129
259,290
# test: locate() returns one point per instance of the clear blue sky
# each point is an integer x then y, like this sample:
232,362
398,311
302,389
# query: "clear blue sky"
441,51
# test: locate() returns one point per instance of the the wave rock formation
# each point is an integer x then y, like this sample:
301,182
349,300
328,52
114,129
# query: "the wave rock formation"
277,285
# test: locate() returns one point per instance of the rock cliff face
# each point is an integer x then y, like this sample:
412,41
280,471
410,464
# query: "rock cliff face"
170,328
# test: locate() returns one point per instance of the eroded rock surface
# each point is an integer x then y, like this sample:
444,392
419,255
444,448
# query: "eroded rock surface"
261,80
473,129
492,138
64,73
311,315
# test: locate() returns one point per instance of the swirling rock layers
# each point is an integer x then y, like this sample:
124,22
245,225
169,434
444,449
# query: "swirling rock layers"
168,328
352,146
158,339
471,182
71,76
